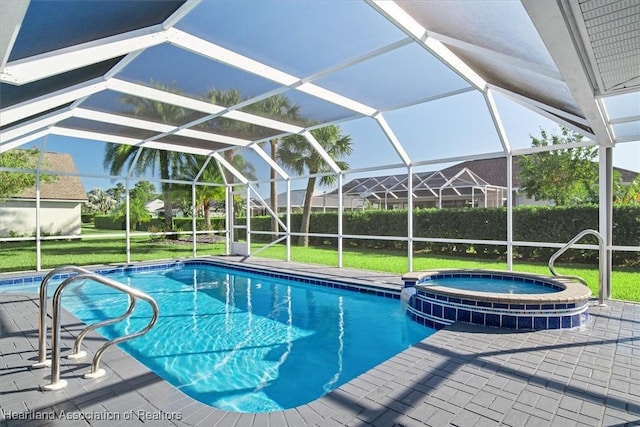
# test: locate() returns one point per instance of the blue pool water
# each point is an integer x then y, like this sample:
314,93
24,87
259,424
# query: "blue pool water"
483,284
250,343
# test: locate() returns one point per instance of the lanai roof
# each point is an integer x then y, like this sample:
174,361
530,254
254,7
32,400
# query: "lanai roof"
67,64
425,184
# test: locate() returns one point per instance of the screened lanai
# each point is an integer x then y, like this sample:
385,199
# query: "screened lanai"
417,86
430,189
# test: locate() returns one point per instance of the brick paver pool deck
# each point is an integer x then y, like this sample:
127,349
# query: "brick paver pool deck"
462,376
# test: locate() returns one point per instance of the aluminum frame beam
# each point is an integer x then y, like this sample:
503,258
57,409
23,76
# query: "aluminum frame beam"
13,13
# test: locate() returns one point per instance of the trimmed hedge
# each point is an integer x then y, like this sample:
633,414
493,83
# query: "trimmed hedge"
186,224
87,218
530,223
110,222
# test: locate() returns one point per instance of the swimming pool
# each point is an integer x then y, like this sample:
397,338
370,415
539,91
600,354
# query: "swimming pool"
495,299
248,342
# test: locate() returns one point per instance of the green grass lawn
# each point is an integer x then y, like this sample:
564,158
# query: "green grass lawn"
20,256
625,282
89,229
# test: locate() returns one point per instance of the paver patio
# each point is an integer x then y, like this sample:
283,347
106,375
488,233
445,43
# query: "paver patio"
462,375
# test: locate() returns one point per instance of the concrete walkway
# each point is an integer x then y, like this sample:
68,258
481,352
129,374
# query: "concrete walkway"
462,376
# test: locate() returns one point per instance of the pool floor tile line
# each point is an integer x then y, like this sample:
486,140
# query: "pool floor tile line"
462,375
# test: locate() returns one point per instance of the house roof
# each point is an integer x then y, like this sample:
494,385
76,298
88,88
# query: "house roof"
154,205
494,171
63,187
486,171
626,175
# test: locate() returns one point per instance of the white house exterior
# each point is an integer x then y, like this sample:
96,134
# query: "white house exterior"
155,207
60,203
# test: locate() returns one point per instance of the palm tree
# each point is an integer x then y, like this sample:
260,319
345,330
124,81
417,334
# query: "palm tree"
119,157
205,195
277,107
138,213
118,192
208,195
227,126
297,155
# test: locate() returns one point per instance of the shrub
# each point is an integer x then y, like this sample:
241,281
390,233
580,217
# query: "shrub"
109,222
530,224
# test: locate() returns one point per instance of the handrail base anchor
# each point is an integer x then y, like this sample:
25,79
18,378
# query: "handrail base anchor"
39,365
97,374
78,355
55,386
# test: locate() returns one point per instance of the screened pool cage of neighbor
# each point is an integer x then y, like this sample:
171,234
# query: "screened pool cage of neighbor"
391,104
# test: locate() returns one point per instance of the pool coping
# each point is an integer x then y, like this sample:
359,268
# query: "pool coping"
572,291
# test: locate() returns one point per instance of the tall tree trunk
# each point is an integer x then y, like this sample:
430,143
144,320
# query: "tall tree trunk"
207,214
228,156
166,190
306,212
274,188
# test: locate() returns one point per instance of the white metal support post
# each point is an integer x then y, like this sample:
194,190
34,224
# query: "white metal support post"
506,147
605,172
193,218
288,239
509,212
229,218
127,219
127,229
43,149
38,213
410,218
248,221
340,212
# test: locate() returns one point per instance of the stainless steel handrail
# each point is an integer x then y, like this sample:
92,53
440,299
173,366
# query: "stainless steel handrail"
42,324
56,383
76,353
602,293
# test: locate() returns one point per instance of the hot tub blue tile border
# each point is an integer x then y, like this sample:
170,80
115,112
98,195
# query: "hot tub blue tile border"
446,312
444,309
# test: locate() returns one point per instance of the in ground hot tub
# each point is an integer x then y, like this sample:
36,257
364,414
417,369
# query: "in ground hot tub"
495,298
